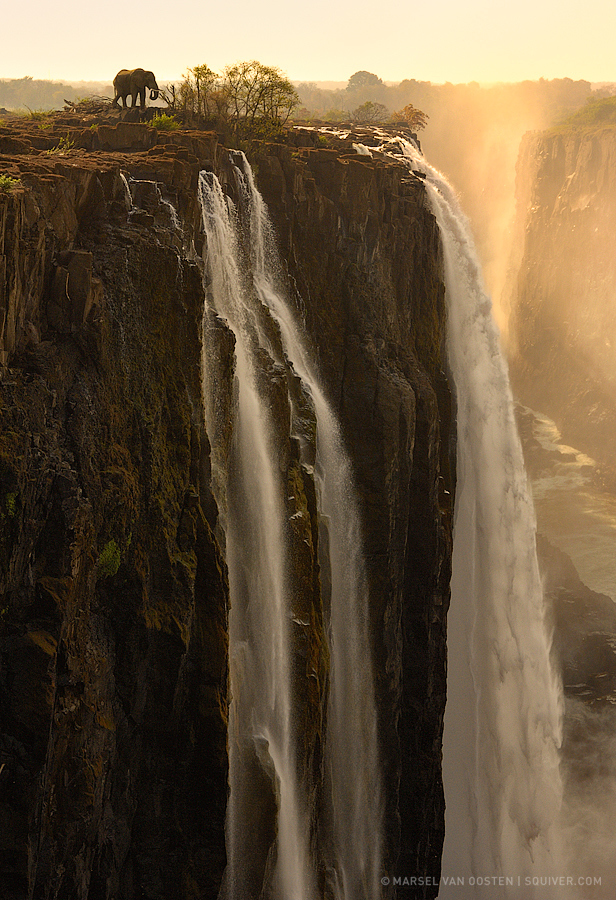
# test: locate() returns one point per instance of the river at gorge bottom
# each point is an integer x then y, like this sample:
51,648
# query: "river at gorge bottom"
576,524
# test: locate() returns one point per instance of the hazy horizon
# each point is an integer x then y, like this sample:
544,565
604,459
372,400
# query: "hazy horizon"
321,85
447,42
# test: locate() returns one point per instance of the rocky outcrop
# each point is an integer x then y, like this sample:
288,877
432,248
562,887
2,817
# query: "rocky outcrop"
113,608
584,625
562,324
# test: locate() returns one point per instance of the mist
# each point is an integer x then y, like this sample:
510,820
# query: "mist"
589,771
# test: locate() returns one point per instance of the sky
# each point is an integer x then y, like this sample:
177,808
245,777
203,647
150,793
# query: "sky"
317,40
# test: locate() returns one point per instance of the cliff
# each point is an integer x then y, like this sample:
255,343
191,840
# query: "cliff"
113,614
363,251
563,336
113,641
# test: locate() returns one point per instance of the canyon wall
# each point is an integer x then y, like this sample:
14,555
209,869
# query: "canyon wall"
363,252
563,282
113,647
114,591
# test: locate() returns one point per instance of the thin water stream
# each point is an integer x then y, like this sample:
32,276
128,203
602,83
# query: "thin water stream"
243,288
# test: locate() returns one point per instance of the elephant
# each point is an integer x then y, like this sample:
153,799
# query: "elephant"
134,82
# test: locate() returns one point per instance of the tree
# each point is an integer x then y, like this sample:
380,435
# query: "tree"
205,81
412,117
362,80
194,95
259,92
369,113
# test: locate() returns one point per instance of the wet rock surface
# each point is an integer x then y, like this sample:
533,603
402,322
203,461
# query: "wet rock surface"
583,620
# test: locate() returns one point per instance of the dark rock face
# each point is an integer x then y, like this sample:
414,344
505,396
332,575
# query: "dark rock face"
363,251
562,322
114,595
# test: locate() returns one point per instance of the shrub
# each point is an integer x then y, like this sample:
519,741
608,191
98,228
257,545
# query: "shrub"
250,99
109,560
595,114
63,146
38,113
256,91
163,122
7,183
369,113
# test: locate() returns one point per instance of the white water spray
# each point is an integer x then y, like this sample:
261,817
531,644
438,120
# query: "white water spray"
261,719
502,722
176,222
262,711
127,192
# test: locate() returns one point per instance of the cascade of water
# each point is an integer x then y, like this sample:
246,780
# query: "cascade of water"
502,721
176,222
127,192
351,749
261,718
261,712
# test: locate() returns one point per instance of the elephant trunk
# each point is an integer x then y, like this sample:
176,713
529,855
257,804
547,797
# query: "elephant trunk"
153,95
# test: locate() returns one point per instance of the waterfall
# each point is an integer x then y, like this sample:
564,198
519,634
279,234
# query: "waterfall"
502,721
261,715
127,194
244,288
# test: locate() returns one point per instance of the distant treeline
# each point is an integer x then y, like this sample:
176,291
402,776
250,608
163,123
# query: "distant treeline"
555,98
599,112
27,92
552,100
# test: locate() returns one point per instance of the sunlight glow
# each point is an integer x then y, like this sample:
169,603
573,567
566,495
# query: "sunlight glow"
442,41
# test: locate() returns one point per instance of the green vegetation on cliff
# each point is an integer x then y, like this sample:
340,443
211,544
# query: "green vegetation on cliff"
594,114
7,183
247,98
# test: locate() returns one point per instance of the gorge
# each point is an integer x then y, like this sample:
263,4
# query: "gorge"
560,298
